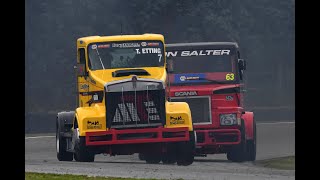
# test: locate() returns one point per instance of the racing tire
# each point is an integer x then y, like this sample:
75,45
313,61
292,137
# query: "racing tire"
238,152
186,150
61,145
252,145
152,158
169,157
81,152
141,157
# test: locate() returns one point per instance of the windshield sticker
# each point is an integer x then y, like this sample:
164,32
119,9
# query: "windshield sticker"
153,44
151,51
230,77
104,46
125,45
208,52
94,46
187,78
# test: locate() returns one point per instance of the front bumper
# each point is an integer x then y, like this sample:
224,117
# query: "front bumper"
137,136
218,137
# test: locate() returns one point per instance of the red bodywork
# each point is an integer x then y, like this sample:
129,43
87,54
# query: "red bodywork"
212,137
149,135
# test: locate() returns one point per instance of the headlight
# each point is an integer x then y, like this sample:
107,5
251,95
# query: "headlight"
228,119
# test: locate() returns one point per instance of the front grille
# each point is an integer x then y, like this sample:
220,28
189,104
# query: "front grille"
135,108
199,106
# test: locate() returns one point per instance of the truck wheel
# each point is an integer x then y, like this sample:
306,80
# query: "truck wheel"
81,152
238,152
169,157
142,157
186,151
252,145
61,145
152,158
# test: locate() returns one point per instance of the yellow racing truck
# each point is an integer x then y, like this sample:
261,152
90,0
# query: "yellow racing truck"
122,105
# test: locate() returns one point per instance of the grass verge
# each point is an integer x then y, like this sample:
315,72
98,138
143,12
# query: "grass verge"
284,163
44,176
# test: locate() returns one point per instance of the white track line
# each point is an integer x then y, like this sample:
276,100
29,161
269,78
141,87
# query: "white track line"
37,137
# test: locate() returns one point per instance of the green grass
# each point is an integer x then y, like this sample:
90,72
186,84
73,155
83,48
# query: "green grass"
42,176
284,163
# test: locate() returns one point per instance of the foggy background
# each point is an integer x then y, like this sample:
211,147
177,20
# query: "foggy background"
264,30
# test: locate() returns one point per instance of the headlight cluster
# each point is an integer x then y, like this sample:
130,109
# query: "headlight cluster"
228,119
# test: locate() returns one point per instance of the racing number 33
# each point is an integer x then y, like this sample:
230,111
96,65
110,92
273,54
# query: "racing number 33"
230,76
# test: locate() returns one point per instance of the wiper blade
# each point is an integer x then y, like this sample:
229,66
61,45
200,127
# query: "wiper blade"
100,58
214,81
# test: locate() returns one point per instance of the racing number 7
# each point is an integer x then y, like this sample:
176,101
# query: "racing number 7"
160,55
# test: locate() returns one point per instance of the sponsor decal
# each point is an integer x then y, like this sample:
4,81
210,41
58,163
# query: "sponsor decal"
208,52
183,78
186,93
229,98
125,45
151,51
84,86
153,44
143,44
176,120
94,46
94,125
186,78
104,46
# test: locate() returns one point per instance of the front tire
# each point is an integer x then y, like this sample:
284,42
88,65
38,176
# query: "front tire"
186,150
152,158
238,152
81,151
169,157
141,157
252,145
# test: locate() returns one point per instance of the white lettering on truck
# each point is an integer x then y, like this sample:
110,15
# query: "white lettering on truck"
186,93
208,52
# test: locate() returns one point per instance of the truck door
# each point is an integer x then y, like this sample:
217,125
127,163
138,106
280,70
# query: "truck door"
82,83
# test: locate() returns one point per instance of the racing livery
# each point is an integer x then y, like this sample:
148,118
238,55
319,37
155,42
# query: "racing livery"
122,106
209,76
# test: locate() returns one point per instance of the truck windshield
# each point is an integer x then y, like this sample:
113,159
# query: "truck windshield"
202,66
126,54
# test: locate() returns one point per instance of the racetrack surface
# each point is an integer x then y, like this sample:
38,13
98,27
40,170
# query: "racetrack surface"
273,140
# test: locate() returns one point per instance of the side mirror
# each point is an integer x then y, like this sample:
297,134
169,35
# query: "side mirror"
169,66
242,64
81,69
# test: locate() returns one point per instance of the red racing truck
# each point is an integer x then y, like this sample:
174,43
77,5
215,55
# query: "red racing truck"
209,76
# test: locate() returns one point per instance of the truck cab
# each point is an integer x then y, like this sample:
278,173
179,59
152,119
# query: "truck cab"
121,104
209,76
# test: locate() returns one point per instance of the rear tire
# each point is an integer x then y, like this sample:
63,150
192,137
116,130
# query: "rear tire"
61,145
81,152
186,150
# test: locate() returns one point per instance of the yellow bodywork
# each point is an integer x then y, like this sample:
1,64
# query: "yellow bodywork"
92,118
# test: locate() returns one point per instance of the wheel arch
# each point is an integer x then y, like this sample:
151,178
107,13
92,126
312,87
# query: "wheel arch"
249,121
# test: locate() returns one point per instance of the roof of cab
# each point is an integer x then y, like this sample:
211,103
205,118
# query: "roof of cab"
147,36
194,44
